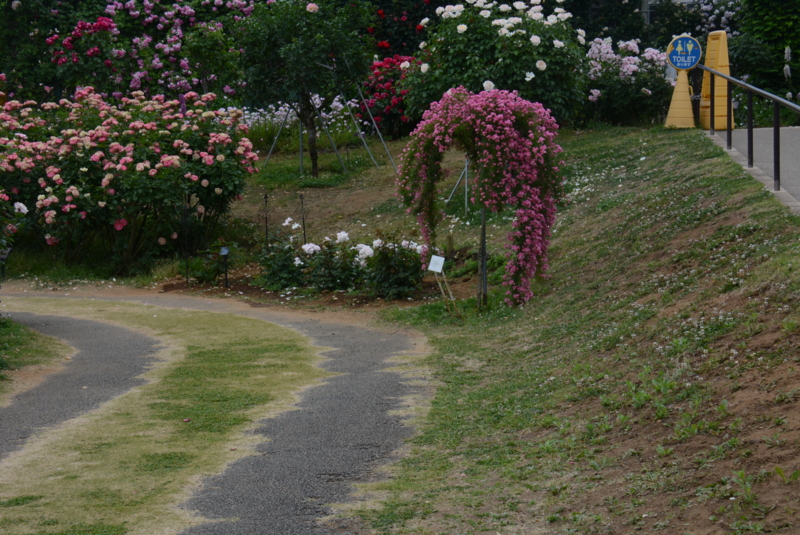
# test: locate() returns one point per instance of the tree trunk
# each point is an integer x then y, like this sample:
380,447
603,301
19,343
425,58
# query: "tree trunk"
308,118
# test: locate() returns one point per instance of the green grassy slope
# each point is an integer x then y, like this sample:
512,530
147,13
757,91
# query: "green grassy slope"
651,384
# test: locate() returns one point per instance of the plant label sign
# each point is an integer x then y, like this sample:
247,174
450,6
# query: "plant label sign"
684,52
437,263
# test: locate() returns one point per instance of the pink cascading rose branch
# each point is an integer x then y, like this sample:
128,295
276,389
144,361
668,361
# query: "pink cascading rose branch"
511,145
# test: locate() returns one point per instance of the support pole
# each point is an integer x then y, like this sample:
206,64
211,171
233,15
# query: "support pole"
358,130
378,130
275,141
302,169
483,288
330,139
776,142
750,129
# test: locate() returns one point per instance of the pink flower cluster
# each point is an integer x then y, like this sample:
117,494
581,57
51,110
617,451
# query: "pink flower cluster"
626,63
511,144
89,166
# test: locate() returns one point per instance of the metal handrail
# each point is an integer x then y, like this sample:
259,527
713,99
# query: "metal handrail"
776,119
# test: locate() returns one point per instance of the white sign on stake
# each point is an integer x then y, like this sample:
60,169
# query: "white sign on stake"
436,264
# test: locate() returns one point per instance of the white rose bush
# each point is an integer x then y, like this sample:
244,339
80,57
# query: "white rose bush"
481,41
389,267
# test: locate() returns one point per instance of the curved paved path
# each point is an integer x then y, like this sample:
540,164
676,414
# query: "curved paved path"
340,434
107,364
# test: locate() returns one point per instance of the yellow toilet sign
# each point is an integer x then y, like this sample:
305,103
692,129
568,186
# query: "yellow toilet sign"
683,53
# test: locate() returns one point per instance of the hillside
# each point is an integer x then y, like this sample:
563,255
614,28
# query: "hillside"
652,383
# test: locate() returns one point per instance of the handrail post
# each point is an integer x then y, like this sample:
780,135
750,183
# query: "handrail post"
730,114
777,145
711,110
750,129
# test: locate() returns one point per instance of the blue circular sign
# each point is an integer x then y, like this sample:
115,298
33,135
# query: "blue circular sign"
684,52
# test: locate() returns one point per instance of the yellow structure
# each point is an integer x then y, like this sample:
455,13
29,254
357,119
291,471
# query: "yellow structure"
680,109
683,53
717,59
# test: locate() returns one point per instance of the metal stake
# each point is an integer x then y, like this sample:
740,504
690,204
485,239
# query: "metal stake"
776,142
275,141
302,170
750,129
358,130
378,130
330,139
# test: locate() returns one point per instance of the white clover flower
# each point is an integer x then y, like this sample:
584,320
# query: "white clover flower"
485,13
424,68
405,65
488,85
535,40
558,44
20,208
342,237
541,65
529,76
461,28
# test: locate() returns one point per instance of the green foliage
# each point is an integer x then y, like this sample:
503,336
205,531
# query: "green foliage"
281,271
391,268
394,271
768,24
298,54
621,21
546,73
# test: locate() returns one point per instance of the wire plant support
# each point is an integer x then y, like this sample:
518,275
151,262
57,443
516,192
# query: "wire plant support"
777,102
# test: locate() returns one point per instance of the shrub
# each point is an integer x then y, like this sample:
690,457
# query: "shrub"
127,179
384,97
395,270
390,268
485,45
627,87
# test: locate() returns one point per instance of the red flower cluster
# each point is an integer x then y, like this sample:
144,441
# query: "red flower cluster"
384,98
83,28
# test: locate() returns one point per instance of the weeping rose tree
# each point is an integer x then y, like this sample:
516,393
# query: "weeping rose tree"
511,143
304,53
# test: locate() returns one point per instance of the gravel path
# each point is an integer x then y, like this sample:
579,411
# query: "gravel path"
341,432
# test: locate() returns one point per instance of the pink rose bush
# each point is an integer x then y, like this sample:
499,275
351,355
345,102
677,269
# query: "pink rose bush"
511,144
119,177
